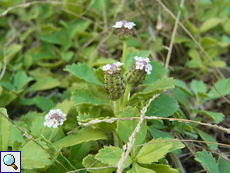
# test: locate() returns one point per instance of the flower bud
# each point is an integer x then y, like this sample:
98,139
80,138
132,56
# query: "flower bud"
138,72
114,85
124,29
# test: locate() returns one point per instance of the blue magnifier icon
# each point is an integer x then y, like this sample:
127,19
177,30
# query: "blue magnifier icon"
9,160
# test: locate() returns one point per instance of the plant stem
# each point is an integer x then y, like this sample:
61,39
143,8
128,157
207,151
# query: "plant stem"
61,131
124,51
126,96
118,107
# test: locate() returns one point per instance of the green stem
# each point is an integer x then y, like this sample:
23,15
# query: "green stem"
126,96
124,52
61,131
117,107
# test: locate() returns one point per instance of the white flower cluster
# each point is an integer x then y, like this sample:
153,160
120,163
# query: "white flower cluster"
54,118
125,24
112,67
143,63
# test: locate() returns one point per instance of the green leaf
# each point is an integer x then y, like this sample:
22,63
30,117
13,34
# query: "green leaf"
33,156
111,155
83,135
158,72
12,50
59,37
209,24
44,103
180,84
84,96
91,162
161,168
226,25
79,151
4,131
82,71
155,88
217,117
139,169
223,165
65,106
163,106
15,135
207,160
198,87
181,96
126,128
194,54
44,84
152,152
208,138
6,98
158,133
222,86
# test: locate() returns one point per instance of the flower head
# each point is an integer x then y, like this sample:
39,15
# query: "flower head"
124,29
143,63
124,24
138,72
54,118
113,80
110,68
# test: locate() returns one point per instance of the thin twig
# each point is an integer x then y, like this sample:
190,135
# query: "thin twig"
173,35
111,120
130,144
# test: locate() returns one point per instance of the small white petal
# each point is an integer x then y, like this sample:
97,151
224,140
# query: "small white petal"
106,67
118,24
139,65
129,25
118,64
146,60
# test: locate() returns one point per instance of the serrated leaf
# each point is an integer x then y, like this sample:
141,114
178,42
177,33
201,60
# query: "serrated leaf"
84,96
4,131
15,135
152,152
91,162
82,71
44,84
198,87
83,135
217,117
111,155
207,160
155,88
223,165
65,106
163,106
180,84
33,156
222,86
126,128
208,138
139,169
12,50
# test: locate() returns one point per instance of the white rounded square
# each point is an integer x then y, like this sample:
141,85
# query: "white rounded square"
10,161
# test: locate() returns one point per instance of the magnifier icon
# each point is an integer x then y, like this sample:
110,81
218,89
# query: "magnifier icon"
9,160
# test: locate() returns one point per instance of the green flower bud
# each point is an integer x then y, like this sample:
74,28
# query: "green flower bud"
138,72
114,85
